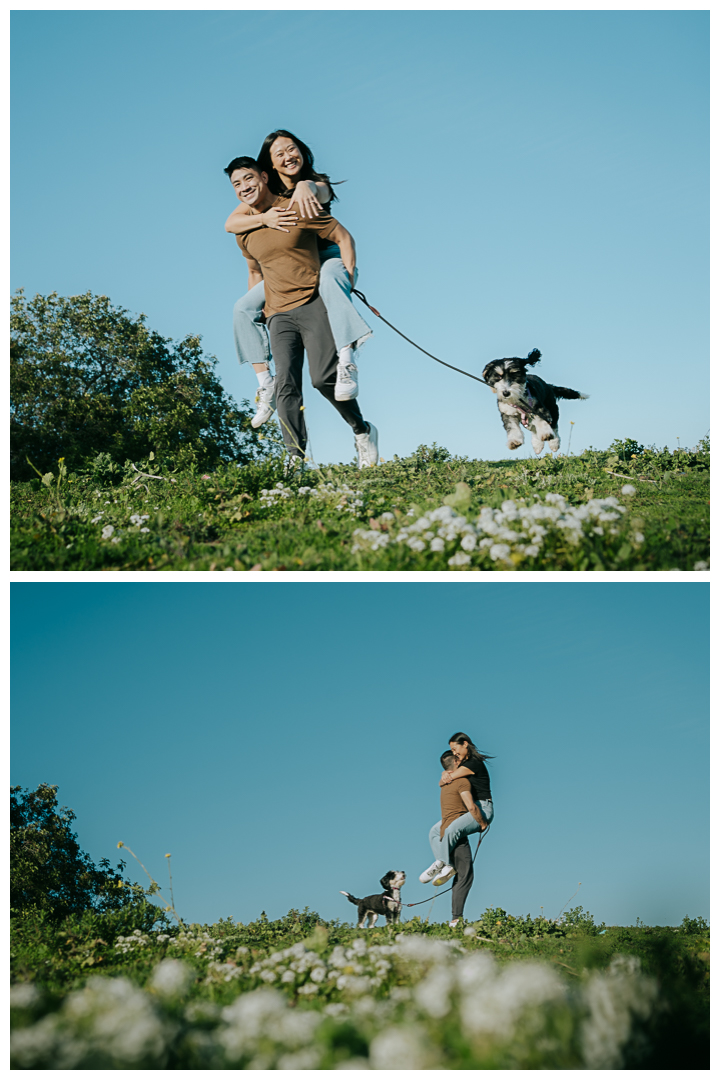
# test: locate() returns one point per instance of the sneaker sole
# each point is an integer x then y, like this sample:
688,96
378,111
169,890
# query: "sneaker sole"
444,879
346,397
260,422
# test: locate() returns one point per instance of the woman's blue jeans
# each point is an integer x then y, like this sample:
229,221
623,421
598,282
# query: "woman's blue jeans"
252,342
462,826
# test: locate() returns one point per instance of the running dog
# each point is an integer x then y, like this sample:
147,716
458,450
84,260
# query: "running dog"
387,903
524,398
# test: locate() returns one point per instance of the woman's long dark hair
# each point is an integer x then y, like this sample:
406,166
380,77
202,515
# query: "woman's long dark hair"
308,171
461,737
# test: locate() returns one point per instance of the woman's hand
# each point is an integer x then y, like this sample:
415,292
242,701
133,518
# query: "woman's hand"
275,219
446,778
305,199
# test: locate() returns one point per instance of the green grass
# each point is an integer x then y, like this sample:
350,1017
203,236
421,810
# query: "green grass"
418,995
339,518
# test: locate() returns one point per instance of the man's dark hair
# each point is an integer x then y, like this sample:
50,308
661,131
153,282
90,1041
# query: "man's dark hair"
243,163
447,760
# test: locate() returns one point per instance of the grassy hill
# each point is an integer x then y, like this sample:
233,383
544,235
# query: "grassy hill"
625,508
302,993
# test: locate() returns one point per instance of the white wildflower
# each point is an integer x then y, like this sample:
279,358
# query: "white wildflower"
433,992
419,948
398,1048
108,531
171,977
437,544
468,542
336,1008
702,565
500,551
627,489
493,999
459,559
614,997
24,995
118,1021
309,1058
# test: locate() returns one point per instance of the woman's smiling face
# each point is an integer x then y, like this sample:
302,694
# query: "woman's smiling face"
286,157
460,750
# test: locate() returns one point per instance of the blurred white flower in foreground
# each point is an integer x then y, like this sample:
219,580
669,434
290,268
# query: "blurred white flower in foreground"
171,977
614,998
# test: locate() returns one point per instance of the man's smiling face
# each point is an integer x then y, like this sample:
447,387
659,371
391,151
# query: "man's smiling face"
249,186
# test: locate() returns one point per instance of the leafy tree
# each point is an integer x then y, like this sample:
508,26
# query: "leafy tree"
88,378
48,871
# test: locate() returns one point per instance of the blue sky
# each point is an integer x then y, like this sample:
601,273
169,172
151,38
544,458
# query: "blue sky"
515,179
284,745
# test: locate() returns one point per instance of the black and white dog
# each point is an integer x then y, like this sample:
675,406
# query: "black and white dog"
526,399
387,903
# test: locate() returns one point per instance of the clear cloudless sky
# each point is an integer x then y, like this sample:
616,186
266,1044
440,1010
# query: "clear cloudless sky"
515,179
283,754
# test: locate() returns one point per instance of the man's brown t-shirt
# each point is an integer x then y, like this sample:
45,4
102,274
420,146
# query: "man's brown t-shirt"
289,260
451,804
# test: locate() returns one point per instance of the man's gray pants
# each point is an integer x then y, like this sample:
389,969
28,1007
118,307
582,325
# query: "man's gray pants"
462,882
306,328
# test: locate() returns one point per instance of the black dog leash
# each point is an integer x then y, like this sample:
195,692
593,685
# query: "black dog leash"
436,358
419,902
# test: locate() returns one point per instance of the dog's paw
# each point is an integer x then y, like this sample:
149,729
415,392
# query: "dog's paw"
514,443
553,445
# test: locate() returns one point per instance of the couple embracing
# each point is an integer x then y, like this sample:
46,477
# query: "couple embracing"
302,271
466,807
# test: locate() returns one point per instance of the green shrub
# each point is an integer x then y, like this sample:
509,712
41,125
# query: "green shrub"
48,871
91,384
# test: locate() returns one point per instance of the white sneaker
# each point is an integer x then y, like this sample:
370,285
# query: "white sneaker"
453,923
265,401
429,874
367,447
346,381
445,874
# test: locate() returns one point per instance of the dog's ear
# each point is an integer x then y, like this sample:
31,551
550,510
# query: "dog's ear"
487,370
385,881
533,357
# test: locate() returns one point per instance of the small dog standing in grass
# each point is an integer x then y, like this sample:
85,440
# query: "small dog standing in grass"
386,903
524,398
